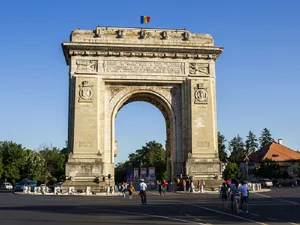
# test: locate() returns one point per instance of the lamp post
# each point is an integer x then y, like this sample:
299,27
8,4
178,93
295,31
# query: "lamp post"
247,160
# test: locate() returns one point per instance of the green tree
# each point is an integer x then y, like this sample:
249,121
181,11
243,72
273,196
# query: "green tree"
251,143
55,161
265,138
222,148
232,171
13,160
34,167
268,169
237,149
151,155
1,165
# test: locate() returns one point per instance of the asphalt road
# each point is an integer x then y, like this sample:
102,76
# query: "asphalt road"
280,206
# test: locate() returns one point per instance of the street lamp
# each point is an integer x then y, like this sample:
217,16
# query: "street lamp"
247,160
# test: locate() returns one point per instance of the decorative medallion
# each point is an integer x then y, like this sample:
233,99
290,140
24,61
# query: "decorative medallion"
85,92
201,95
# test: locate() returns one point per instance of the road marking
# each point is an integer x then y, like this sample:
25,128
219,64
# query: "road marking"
228,214
254,214
270,218
282,200
144,214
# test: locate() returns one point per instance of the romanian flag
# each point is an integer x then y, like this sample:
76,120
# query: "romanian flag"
145,19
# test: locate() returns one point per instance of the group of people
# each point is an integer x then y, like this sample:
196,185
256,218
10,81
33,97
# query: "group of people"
239,195
162,187
130,188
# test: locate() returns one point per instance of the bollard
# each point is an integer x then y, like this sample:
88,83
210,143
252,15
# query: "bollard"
107,190
56,190
71,190
202,188
88,191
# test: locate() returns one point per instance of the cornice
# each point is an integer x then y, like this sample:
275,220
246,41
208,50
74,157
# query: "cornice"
83,49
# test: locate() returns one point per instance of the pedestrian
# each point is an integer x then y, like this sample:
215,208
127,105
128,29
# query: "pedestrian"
235,193
130,190
164,187
192,187
124,189
199,186
224,195
184,185
244,196
159,187
143,188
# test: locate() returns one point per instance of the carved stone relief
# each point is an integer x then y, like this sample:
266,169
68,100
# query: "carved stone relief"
143,67
201,95
85,144
199,69
86,66
85,92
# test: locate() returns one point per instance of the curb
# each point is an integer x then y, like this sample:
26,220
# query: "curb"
66,195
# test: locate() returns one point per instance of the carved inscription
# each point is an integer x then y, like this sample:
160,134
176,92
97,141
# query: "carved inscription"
203,144
199,69
85,144
86,66
143,67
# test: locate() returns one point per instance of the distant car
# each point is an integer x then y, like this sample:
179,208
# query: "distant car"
58,184
6,186
287,183
266,183
27,183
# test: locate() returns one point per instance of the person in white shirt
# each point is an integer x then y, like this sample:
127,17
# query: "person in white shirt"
244,196
143,188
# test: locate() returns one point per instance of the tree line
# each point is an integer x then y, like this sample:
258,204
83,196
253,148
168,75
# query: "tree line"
46,165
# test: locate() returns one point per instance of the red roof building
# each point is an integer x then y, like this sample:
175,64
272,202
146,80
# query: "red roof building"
275,151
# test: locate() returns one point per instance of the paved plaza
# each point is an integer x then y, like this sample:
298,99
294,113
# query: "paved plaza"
279,206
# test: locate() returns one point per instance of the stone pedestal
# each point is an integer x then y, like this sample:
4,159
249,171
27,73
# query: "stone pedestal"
84,168
204,168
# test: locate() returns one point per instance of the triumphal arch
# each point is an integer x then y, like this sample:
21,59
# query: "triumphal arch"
172,69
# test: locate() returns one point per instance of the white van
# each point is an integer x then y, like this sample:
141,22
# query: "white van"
6,186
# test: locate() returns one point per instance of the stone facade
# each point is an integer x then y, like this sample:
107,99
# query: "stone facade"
172,69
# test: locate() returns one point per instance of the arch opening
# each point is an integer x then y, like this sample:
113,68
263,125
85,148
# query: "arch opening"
166,110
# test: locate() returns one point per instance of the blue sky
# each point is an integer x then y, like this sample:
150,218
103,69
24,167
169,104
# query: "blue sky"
258,75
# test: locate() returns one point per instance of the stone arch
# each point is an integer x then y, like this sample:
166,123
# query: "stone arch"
158,98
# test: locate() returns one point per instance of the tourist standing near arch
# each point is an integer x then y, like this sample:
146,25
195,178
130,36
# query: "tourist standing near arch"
143,188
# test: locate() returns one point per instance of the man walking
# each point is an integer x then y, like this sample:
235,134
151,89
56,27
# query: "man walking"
245,196
143,188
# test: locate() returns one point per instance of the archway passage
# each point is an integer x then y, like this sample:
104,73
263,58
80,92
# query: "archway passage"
113,66
165,111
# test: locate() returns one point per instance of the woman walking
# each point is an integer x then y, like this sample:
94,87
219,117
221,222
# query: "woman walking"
130,190
224,195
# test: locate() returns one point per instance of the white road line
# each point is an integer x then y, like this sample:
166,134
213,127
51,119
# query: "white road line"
282,200
228,214
144,214
270,218
254,214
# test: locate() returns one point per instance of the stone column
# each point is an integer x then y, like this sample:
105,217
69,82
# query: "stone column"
203,161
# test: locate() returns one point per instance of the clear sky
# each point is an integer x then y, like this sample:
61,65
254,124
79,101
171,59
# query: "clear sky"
258,75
